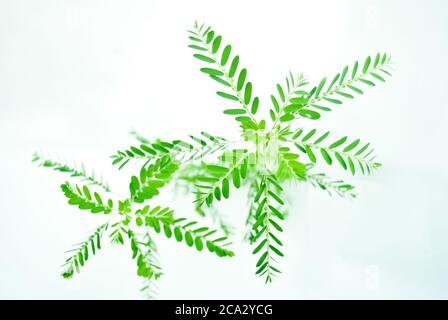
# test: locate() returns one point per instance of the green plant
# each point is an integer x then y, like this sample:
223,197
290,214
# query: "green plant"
262,162
130,221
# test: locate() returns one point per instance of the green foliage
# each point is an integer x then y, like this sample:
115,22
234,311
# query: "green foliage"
208,48
262,161
346,84
199,237
82,197
268,217
154,217
81,253
143,251
162,221
289,166
187,179
288,102
72,171
217,181
152,178
253,206
192,149
322,181
348,153
275,162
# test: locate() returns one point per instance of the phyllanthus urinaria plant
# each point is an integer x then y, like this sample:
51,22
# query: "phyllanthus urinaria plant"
269,155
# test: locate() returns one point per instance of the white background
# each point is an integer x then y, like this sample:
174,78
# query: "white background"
76,76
